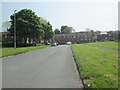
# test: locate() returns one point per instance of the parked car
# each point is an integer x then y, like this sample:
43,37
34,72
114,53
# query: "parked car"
68,43
54,44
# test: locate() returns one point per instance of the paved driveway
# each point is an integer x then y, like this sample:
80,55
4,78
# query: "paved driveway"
51,67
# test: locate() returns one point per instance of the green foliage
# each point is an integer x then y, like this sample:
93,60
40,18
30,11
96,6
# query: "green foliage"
66,30
98,67
29,25
48,31
57,31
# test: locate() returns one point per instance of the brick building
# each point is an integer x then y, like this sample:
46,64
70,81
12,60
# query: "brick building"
80,37
74,38
6,38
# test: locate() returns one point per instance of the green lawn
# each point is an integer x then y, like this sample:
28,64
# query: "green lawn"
111,45
11,51
99,68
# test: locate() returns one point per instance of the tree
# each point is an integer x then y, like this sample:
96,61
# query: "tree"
92,32
48,32
57,31
66,30
28,25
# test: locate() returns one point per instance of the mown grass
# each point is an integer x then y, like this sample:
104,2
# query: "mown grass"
111,45
11,51
98,67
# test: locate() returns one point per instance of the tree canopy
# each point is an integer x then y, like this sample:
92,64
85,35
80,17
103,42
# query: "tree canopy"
57,31
66,29
48,31
29,25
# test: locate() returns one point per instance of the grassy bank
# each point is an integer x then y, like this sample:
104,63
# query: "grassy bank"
11,51
99,68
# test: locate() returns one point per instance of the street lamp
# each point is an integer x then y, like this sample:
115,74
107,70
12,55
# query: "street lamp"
15,29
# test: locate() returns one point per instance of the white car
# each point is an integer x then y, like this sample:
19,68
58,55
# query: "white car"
68,43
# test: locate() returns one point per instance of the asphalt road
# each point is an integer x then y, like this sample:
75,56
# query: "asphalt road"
51,67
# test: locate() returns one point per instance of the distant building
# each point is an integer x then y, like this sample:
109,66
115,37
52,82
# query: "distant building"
7,39
81,37
107,36
78,37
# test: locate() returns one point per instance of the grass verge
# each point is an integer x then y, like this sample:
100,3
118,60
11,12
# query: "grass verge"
99,68
11,51
111,45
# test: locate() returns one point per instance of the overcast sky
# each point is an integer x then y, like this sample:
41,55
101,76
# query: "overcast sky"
101,15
